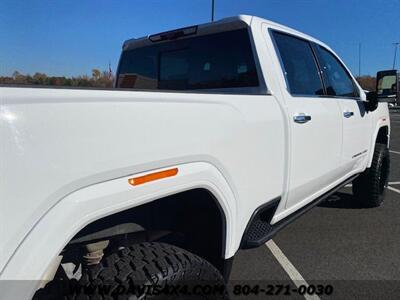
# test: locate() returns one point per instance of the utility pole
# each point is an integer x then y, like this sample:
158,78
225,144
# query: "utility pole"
359,59
396,45
109,70
212,10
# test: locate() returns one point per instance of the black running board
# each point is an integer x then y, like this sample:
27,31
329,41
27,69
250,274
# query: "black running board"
259,230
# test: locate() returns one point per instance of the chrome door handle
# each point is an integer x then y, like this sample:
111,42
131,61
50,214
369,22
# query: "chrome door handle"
301,118
348,114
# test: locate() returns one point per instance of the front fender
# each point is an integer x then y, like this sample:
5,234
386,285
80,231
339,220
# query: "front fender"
380,123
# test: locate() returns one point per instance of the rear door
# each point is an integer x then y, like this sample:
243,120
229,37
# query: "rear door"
314,122
356,124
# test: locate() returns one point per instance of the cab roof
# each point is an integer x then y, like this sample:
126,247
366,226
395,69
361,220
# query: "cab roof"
225,24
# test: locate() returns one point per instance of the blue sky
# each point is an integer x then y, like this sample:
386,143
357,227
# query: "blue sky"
71,37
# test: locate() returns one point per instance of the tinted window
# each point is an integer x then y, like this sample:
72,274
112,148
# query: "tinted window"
338,81
221,60
299,65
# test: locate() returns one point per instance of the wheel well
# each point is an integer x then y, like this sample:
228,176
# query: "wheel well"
382,137
192,220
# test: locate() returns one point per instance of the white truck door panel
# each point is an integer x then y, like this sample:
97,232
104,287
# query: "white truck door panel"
315,157
356,127
356,133
314,122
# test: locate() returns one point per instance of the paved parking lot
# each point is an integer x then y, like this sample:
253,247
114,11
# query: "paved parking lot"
355,250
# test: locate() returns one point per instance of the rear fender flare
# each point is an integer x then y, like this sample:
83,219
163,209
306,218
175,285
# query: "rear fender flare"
58,226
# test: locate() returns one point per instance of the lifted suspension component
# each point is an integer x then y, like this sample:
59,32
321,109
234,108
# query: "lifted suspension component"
95,252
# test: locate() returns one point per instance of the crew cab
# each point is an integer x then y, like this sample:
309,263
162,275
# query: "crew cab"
214,138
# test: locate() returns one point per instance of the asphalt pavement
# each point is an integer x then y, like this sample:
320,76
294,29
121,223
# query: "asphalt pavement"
355,251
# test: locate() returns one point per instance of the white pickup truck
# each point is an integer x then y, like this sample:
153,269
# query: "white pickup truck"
215,137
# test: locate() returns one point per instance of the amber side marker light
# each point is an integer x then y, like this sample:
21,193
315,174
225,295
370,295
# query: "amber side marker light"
153,176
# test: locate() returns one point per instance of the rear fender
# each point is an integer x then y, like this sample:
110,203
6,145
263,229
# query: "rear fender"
59,225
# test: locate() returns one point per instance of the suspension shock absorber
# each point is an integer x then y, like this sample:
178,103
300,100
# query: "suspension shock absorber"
95,252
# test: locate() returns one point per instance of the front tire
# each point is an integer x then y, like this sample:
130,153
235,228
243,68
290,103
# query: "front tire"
369,188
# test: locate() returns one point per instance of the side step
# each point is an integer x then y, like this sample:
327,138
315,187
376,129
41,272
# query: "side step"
259,230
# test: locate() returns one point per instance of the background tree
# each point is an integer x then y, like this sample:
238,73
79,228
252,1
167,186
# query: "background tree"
367,82
96,74
98,79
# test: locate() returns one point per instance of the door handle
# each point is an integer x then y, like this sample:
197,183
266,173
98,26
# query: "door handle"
301,118
348,114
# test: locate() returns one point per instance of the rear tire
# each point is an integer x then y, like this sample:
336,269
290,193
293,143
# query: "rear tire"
145,264
369,188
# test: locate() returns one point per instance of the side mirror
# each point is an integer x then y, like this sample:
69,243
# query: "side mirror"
388,86
372,101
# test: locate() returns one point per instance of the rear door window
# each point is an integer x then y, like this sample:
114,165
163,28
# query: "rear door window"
299,65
